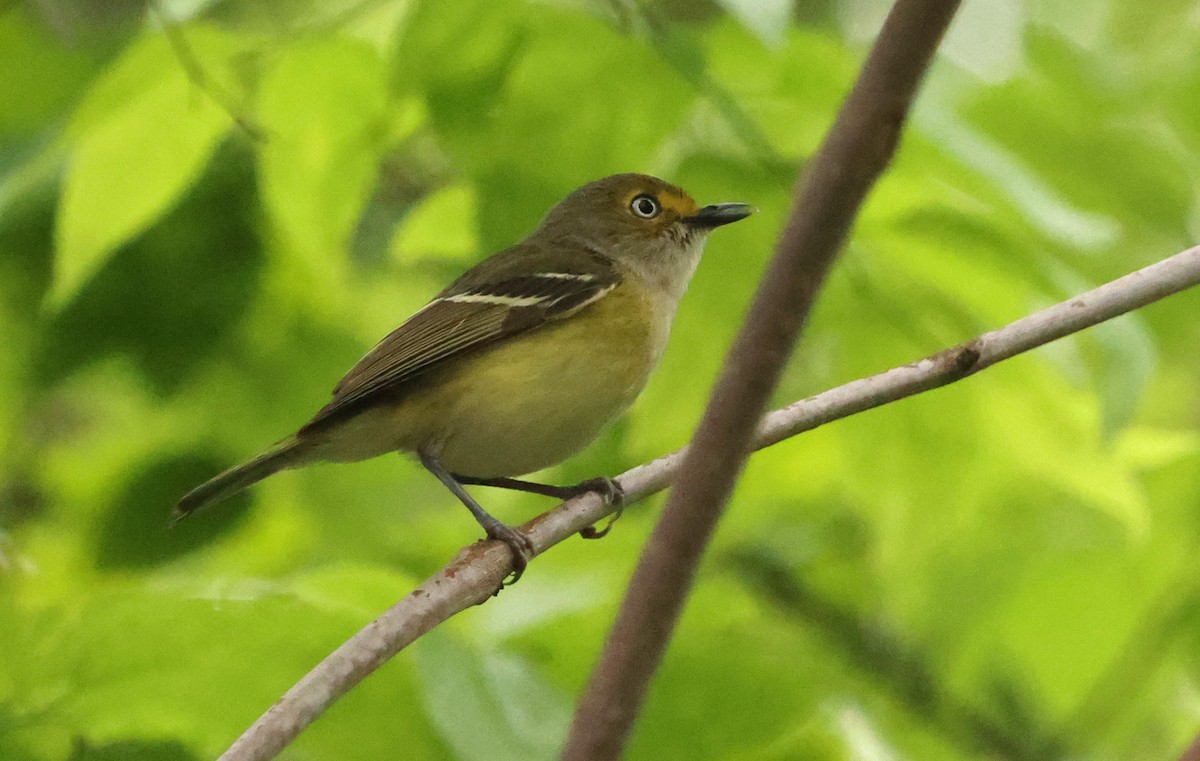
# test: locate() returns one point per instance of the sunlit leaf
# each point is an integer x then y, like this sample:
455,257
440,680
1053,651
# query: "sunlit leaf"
142,135
168,297
323,106
441,226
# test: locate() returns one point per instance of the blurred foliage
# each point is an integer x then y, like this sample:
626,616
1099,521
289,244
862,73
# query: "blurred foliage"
210,208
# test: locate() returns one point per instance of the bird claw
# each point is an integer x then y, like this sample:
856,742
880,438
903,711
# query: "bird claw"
612,494
519,544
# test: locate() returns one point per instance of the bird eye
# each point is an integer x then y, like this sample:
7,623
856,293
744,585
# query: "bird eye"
645,207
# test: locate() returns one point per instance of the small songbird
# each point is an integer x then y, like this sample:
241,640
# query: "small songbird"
520,362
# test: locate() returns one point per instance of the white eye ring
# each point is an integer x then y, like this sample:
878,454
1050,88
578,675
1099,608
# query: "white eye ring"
644,206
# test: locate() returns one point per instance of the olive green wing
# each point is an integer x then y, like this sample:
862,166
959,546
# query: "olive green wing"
466,317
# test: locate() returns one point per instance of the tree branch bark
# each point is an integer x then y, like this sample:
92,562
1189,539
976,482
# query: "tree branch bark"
477,571
1192,753
855,153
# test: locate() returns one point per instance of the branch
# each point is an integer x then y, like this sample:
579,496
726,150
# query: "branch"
477,571
855,153
1192,753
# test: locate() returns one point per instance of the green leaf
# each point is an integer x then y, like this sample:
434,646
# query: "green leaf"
135,530
1147,448
141,136
169,297
792,101
441,226
1129,360
987,39
489,706
323,107
196,661
767,19
40,75
1041,203
460,53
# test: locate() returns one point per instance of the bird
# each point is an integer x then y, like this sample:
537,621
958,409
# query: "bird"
521,361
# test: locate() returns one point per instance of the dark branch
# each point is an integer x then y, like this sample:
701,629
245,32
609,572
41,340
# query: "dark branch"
856,151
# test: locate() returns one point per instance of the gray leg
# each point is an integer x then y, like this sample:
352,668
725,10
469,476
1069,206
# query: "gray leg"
609,490
522,548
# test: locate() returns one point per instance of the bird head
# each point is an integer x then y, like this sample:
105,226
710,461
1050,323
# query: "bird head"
641,222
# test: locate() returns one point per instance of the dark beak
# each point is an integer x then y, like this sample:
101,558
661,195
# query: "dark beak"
718,214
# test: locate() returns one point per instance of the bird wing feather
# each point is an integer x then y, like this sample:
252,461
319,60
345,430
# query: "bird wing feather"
467,316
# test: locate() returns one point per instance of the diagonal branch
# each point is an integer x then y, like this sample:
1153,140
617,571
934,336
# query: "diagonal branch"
858,148
478,570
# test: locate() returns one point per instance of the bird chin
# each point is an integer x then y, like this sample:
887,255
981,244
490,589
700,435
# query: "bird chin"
684,236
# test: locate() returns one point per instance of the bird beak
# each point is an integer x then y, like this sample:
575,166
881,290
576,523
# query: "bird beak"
718,214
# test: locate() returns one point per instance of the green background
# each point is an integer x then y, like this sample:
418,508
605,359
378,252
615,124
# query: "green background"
201,230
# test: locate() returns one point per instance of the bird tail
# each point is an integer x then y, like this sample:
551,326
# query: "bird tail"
288,453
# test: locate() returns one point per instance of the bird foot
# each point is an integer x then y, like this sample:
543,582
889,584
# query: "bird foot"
520,545
612,494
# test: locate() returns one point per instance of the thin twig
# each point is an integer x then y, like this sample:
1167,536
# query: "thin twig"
194,69
855,153
479,569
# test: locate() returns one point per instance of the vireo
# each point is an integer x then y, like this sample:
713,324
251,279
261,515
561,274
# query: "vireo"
522,360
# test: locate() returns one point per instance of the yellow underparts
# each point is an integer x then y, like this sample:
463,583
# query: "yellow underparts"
524,404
